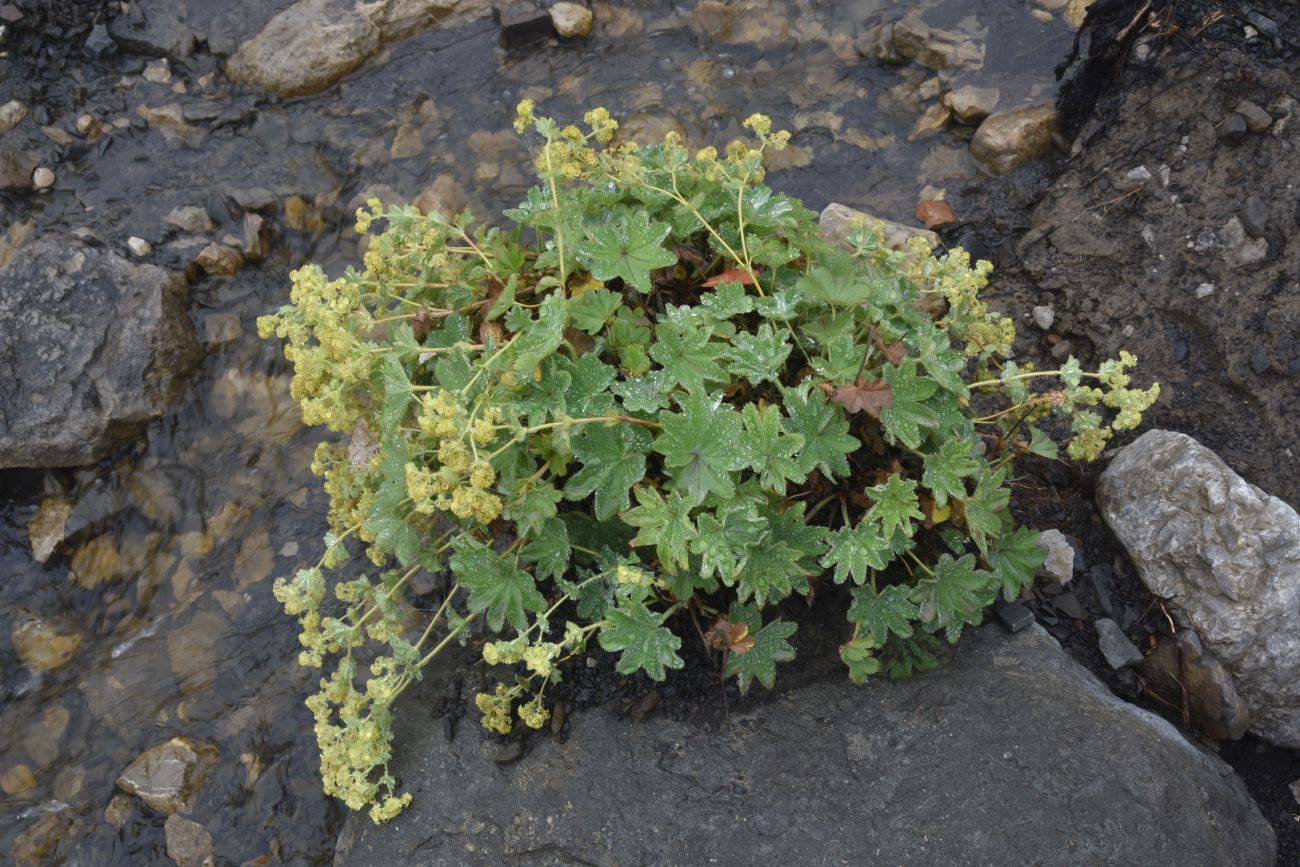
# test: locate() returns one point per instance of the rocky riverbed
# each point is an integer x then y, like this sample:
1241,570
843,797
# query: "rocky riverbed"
165,163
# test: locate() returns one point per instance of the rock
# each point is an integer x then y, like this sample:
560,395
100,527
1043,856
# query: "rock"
1008,140
878,44
407,142
188,843
972,104
11,114
168,776
1014,616
139,247
190,218
1062,350
1205,290
118,811
99,44
403,18
1059,565
45,841
1257,119
1228,553
58,135
1119,651
257,244
1232,130
160,33
17,780
937,49
46,530
16,170
42,178
935,213
571,20
1044,316
444,196
220,260
169,116
521,22
1254,215
1075,12
1295,791
836,222
96,347
1180,671
307,47
931,122
1238,251
926,770
39,645
159,72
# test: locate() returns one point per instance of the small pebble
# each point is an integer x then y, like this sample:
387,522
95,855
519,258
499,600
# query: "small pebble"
1119,651
1254,215
1257,119
1232,131
1044,316
42,178
509,753
139,246
1062,350
1205,290
1069,605
571,20
1014,616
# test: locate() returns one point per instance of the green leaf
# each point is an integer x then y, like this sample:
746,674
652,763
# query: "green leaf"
644,642
540,337
1043,445
834,281
895,506
904,419
587,394
878,614
688,355
940,360
452,370
904,657
397,396
549,550
858,655
702,446
853,550
946,469
613,460
495,585
985,508
824,429
666,524
725,536
781,562
769,451
954,596
533,508
629,249
771,645
591,310
759,356
1014,559
648,393
728,300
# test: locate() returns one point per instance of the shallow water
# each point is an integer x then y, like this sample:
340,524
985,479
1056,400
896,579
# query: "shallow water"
167,577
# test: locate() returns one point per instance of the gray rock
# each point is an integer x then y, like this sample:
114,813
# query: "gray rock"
972,104
95,346
1232,130
1182,674
308,47
16,169
1254,215
836,221
1257,119
924,771
188,843
1044,315
11,114
1228,553
190,218
156,33
168,776
929,46
1119,651
1059,565
521,21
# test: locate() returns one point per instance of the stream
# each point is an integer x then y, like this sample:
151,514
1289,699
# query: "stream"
165,573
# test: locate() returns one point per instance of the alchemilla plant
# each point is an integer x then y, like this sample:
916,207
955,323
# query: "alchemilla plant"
659,396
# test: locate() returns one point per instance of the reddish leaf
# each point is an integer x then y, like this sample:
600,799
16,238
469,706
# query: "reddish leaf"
725,635
868,397
731,275
894,352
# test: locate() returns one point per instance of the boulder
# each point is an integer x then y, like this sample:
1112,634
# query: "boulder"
308,46
938,49
1227,553
169,776
1007,140
1009,753
94,346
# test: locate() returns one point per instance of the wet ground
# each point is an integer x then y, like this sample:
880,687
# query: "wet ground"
165,575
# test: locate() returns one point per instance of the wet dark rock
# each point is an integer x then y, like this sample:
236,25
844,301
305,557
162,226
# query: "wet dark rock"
1227,552
1254,215
824,773
97,345
220,260
938,49
521,22
188,843
1007,140
1069,605
1180,672
157,33
1014,616
1233,130
1119,651
99,44
16,170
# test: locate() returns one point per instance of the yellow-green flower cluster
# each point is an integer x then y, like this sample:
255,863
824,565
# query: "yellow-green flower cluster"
985,331
495,708
461,484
